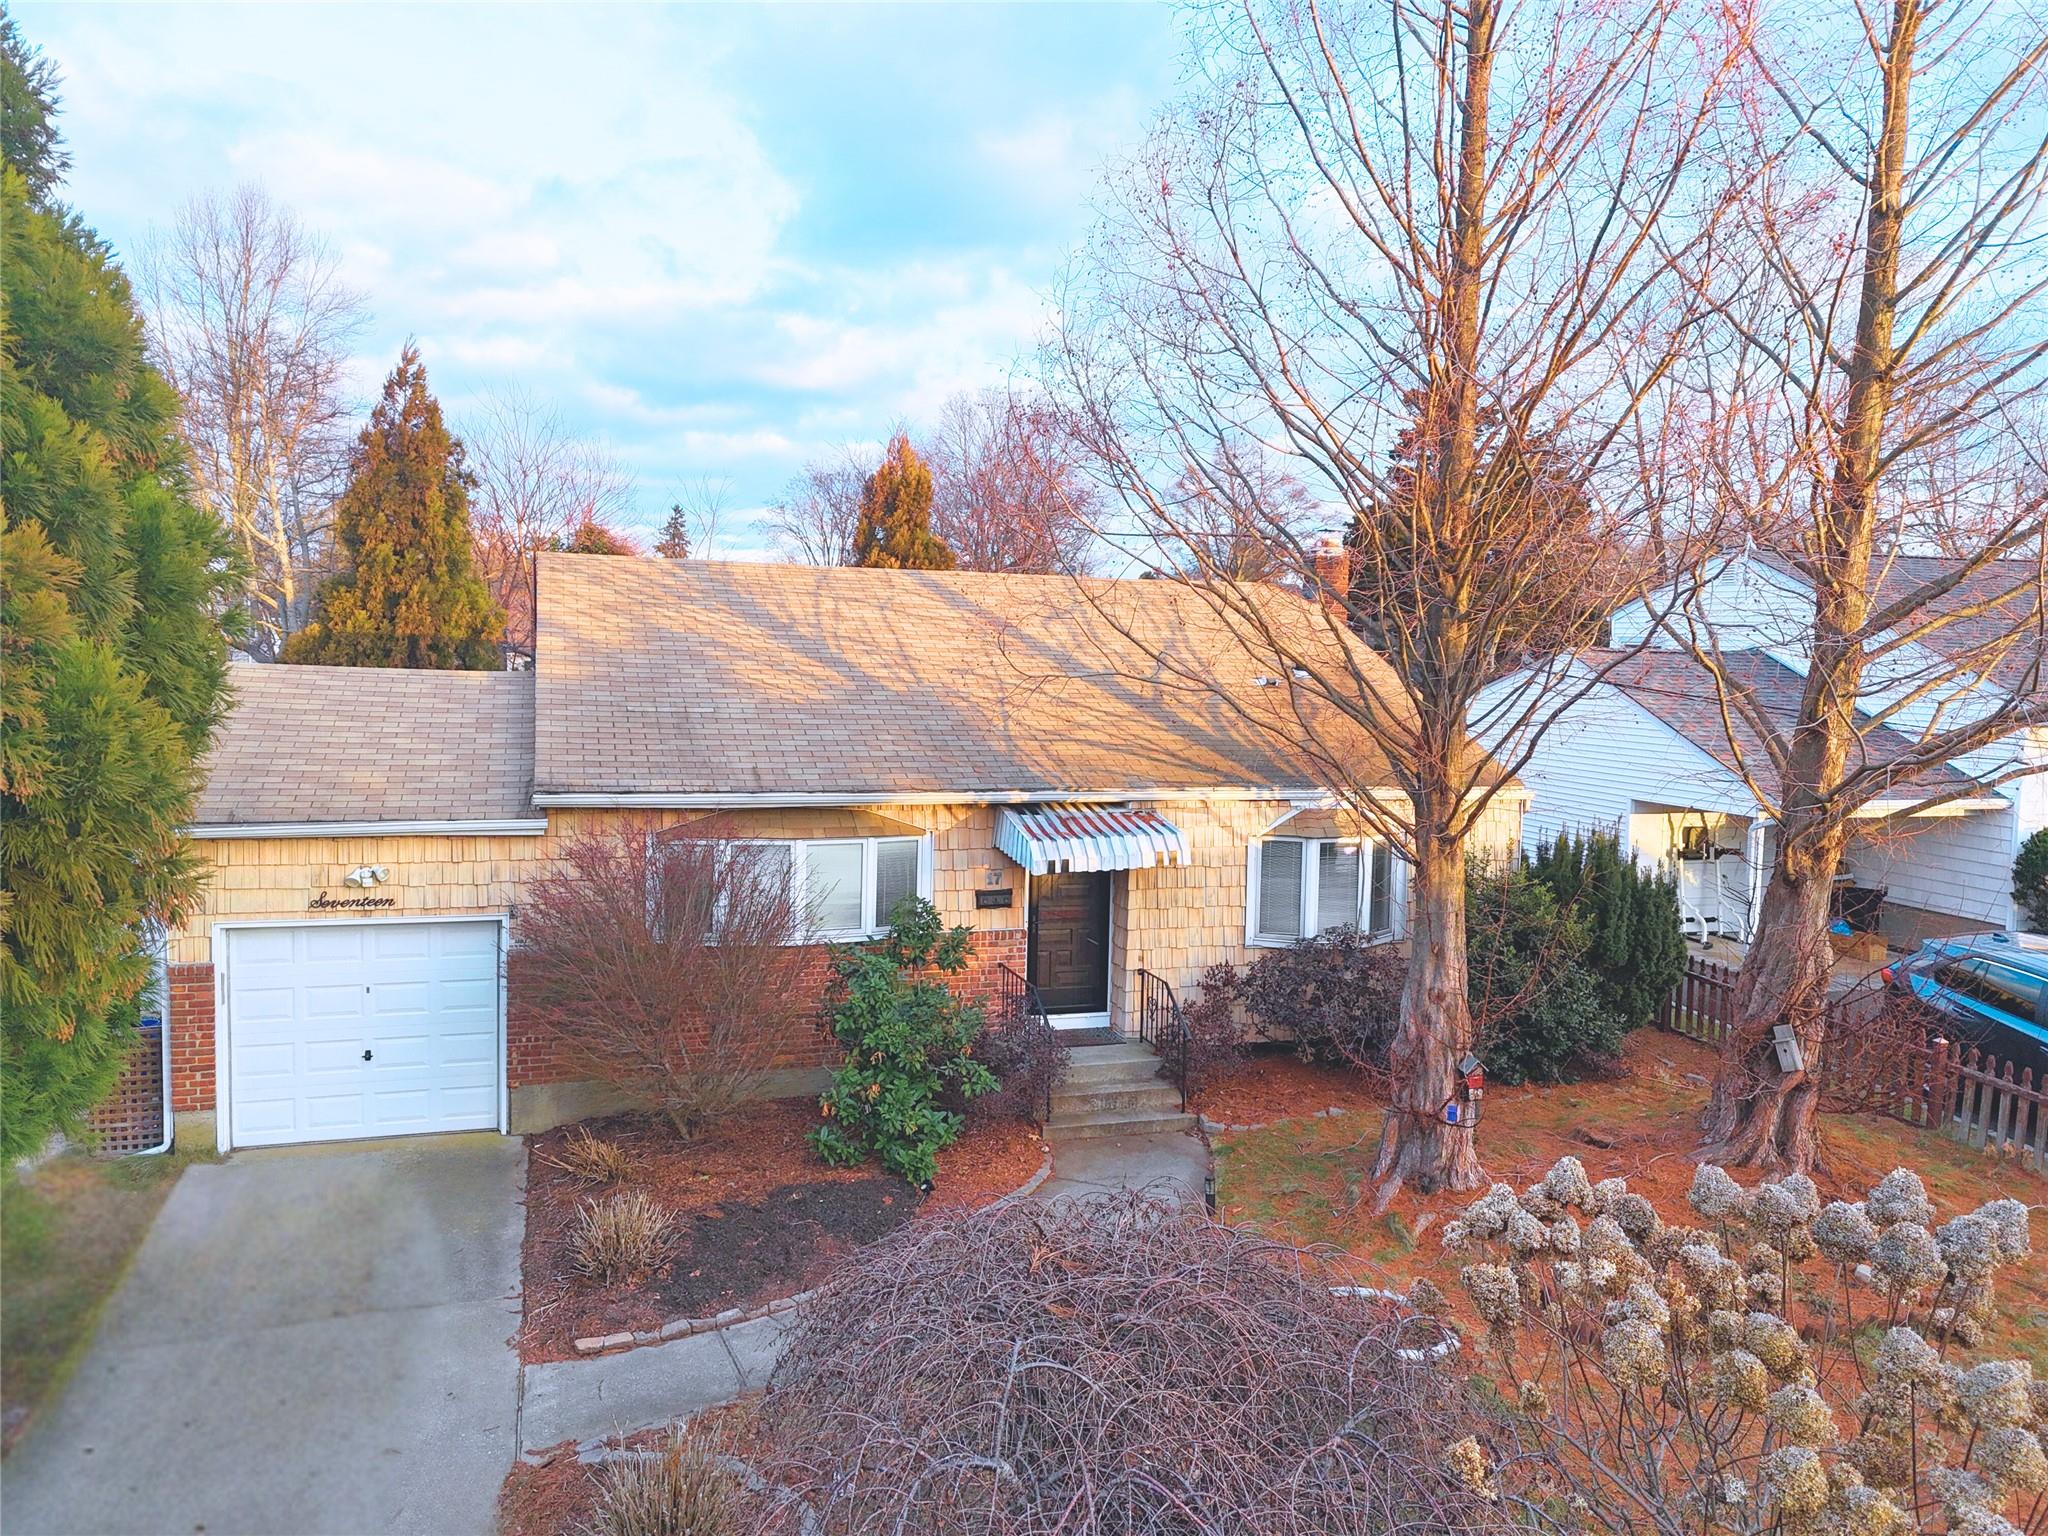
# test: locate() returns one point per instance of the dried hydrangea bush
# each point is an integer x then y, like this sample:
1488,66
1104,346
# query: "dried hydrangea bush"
1783,1366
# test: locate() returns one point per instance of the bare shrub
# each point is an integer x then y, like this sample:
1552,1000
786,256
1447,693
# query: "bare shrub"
1023,1050
590,1159
617,1236
1121,1365
686,1488
668,967
1782,1369
1217,1033
1337,995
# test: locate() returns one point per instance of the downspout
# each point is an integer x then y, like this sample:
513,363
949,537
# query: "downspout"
161,985
1753,851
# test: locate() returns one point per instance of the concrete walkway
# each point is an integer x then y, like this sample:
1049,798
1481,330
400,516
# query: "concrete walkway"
583,1400
1175,1164
313,1341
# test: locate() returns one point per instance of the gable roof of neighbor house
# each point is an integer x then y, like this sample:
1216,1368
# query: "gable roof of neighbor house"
698,678
1674,687
370,744
1989,612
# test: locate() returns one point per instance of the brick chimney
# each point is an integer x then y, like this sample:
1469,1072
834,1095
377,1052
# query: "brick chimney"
1329,565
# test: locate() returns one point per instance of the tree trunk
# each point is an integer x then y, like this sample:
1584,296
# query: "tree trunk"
1417,1147
1759,1115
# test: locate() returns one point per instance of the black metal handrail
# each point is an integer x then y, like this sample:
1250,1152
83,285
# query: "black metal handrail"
1019,1001
1163,1026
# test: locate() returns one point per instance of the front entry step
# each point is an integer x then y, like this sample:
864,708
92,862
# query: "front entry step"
1083,1127
1114,1090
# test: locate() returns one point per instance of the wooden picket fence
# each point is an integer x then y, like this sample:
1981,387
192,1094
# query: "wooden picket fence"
1959,1090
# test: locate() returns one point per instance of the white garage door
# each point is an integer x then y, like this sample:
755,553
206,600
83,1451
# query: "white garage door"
337,1030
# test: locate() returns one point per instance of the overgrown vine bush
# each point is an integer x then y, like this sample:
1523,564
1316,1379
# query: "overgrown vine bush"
1783,1367
908,1046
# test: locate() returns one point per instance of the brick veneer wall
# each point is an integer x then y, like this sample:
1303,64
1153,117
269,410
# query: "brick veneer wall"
535,1059
191,1027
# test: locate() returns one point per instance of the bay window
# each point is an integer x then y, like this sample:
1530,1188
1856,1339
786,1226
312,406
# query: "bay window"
1302,886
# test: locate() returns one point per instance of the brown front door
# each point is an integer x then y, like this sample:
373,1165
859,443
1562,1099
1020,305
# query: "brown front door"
1069,942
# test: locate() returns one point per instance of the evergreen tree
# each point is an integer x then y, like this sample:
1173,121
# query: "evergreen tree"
674,543
29,140
112,586
895,529
2030,881
1636,946
411,596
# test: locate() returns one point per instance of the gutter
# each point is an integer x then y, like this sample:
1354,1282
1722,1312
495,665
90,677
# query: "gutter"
521,827
1302,797
664,800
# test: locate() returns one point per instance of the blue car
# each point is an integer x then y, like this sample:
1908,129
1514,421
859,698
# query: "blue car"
1991,990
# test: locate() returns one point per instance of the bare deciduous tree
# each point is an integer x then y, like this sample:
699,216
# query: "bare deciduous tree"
667,967
251,323
537,484
1879,433
1009,493
815,519
1412,247
693,520
1237,514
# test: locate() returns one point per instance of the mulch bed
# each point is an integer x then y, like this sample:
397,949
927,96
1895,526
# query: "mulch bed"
559,1497
758,1216
1275,1084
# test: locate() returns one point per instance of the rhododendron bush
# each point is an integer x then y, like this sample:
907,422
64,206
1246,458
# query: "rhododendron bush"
1783,1366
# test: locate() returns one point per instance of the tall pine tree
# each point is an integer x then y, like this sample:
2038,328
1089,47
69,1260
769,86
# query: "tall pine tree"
411,596
112,589
895,529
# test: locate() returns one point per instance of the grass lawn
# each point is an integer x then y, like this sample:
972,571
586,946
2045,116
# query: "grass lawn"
1307,1180
67,1234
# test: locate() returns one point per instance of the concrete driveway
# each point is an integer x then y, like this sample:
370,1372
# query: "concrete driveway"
312,1341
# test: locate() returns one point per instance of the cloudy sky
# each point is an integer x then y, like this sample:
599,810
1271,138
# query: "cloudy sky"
721,239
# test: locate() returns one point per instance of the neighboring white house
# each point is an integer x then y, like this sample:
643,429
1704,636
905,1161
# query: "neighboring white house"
1649,754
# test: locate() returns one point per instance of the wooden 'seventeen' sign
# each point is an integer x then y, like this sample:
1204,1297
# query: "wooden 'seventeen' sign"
326,903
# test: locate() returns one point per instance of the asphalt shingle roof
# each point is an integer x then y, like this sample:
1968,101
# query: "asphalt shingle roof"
1992,623
1673,686
701,677
330,744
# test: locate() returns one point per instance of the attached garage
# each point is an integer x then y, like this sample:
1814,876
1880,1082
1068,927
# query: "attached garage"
333,1030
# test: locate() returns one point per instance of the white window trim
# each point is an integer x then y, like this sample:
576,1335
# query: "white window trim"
873,924
1311,890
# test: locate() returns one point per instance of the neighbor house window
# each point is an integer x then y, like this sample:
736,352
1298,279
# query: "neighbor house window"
1309,885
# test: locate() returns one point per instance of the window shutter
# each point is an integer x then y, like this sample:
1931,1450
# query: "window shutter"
1280,889
895,875
1336,886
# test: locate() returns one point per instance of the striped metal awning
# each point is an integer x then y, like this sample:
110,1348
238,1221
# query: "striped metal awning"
1065,837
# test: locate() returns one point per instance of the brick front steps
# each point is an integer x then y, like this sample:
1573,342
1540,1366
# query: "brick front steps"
1114,1090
